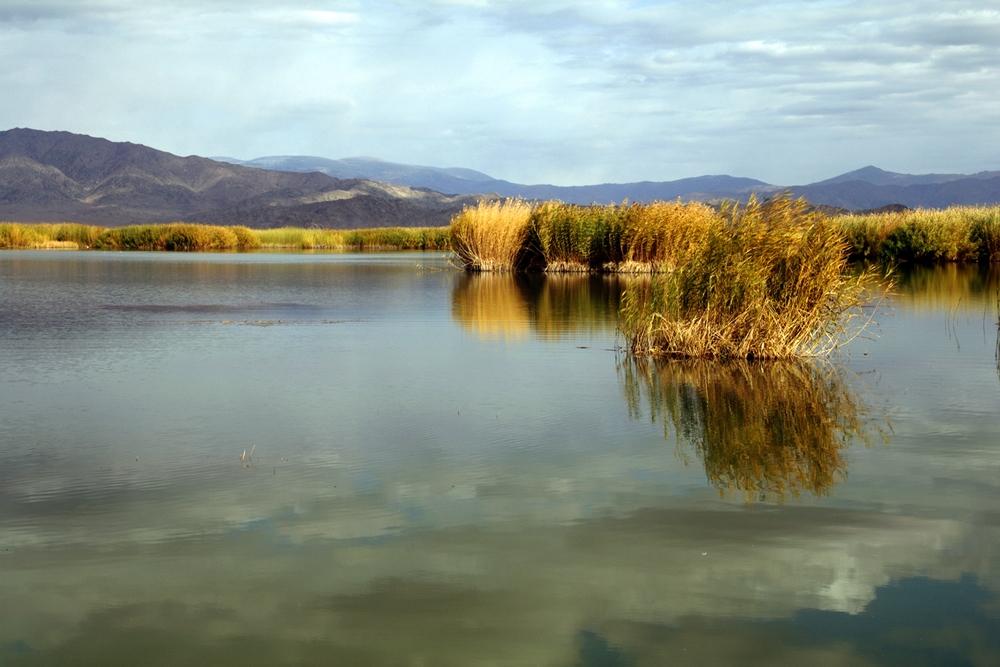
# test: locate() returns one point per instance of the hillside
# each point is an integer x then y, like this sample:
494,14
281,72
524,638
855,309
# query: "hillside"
59,176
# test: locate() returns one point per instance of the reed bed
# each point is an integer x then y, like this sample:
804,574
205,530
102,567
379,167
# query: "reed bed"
955,234
567,238
175,236
767,280
493,236
197,237
770,431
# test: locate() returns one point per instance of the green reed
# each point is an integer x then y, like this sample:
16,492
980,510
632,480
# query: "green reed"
958,233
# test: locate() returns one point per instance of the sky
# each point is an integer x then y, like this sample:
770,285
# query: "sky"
532,91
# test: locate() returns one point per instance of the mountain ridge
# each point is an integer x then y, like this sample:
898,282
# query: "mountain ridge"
65,177
862,189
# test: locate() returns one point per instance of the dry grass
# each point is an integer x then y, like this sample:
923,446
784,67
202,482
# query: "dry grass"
661,235
493,235
567,238
770,431
767,280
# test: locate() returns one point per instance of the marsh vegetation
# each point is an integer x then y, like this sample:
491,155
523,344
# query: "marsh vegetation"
959,233
197,237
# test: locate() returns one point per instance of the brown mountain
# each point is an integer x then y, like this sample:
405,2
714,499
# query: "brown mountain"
64,177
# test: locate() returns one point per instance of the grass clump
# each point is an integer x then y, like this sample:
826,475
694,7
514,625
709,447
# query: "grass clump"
493,236
659,236
767,280
770,431
574,238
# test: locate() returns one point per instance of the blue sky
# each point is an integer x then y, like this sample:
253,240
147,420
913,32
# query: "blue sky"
531,91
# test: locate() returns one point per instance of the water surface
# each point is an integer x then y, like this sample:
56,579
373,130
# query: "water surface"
464,470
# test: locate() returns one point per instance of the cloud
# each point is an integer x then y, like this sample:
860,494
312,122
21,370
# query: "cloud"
544,91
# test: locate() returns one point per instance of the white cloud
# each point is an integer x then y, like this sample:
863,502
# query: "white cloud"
543,91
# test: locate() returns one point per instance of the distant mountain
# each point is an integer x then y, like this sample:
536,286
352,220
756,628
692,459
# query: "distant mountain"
58,176
877,176
467,181
862,189
871,187
64,177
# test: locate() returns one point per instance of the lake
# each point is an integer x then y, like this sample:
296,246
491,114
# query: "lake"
376,459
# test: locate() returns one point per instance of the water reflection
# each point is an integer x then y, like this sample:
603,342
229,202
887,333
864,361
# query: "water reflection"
769,430
949,287
510,307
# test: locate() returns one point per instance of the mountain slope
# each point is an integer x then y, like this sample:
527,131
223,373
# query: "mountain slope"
59,176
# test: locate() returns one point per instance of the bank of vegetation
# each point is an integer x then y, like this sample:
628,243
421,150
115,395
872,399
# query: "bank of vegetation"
515,235
956,234
196,237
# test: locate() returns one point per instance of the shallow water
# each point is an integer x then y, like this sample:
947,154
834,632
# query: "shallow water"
463,470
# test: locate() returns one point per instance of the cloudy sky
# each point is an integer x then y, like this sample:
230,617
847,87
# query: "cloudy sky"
532,91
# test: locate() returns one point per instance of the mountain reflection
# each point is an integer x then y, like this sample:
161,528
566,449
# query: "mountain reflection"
511,307
770,430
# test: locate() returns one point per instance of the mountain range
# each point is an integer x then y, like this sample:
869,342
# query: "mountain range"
863,189
64,177
59,176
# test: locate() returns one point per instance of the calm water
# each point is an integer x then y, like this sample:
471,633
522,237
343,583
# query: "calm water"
456,470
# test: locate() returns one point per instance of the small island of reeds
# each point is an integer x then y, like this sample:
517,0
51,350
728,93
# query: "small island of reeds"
763,280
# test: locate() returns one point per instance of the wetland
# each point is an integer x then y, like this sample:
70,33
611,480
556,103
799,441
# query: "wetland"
377,459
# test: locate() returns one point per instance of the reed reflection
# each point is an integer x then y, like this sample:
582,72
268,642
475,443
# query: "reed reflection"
769,430
950,286
512,306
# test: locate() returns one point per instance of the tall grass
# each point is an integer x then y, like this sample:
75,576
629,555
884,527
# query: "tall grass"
67,236
958,233
768,280
197,237
770,431
493,236
557,237
574,238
